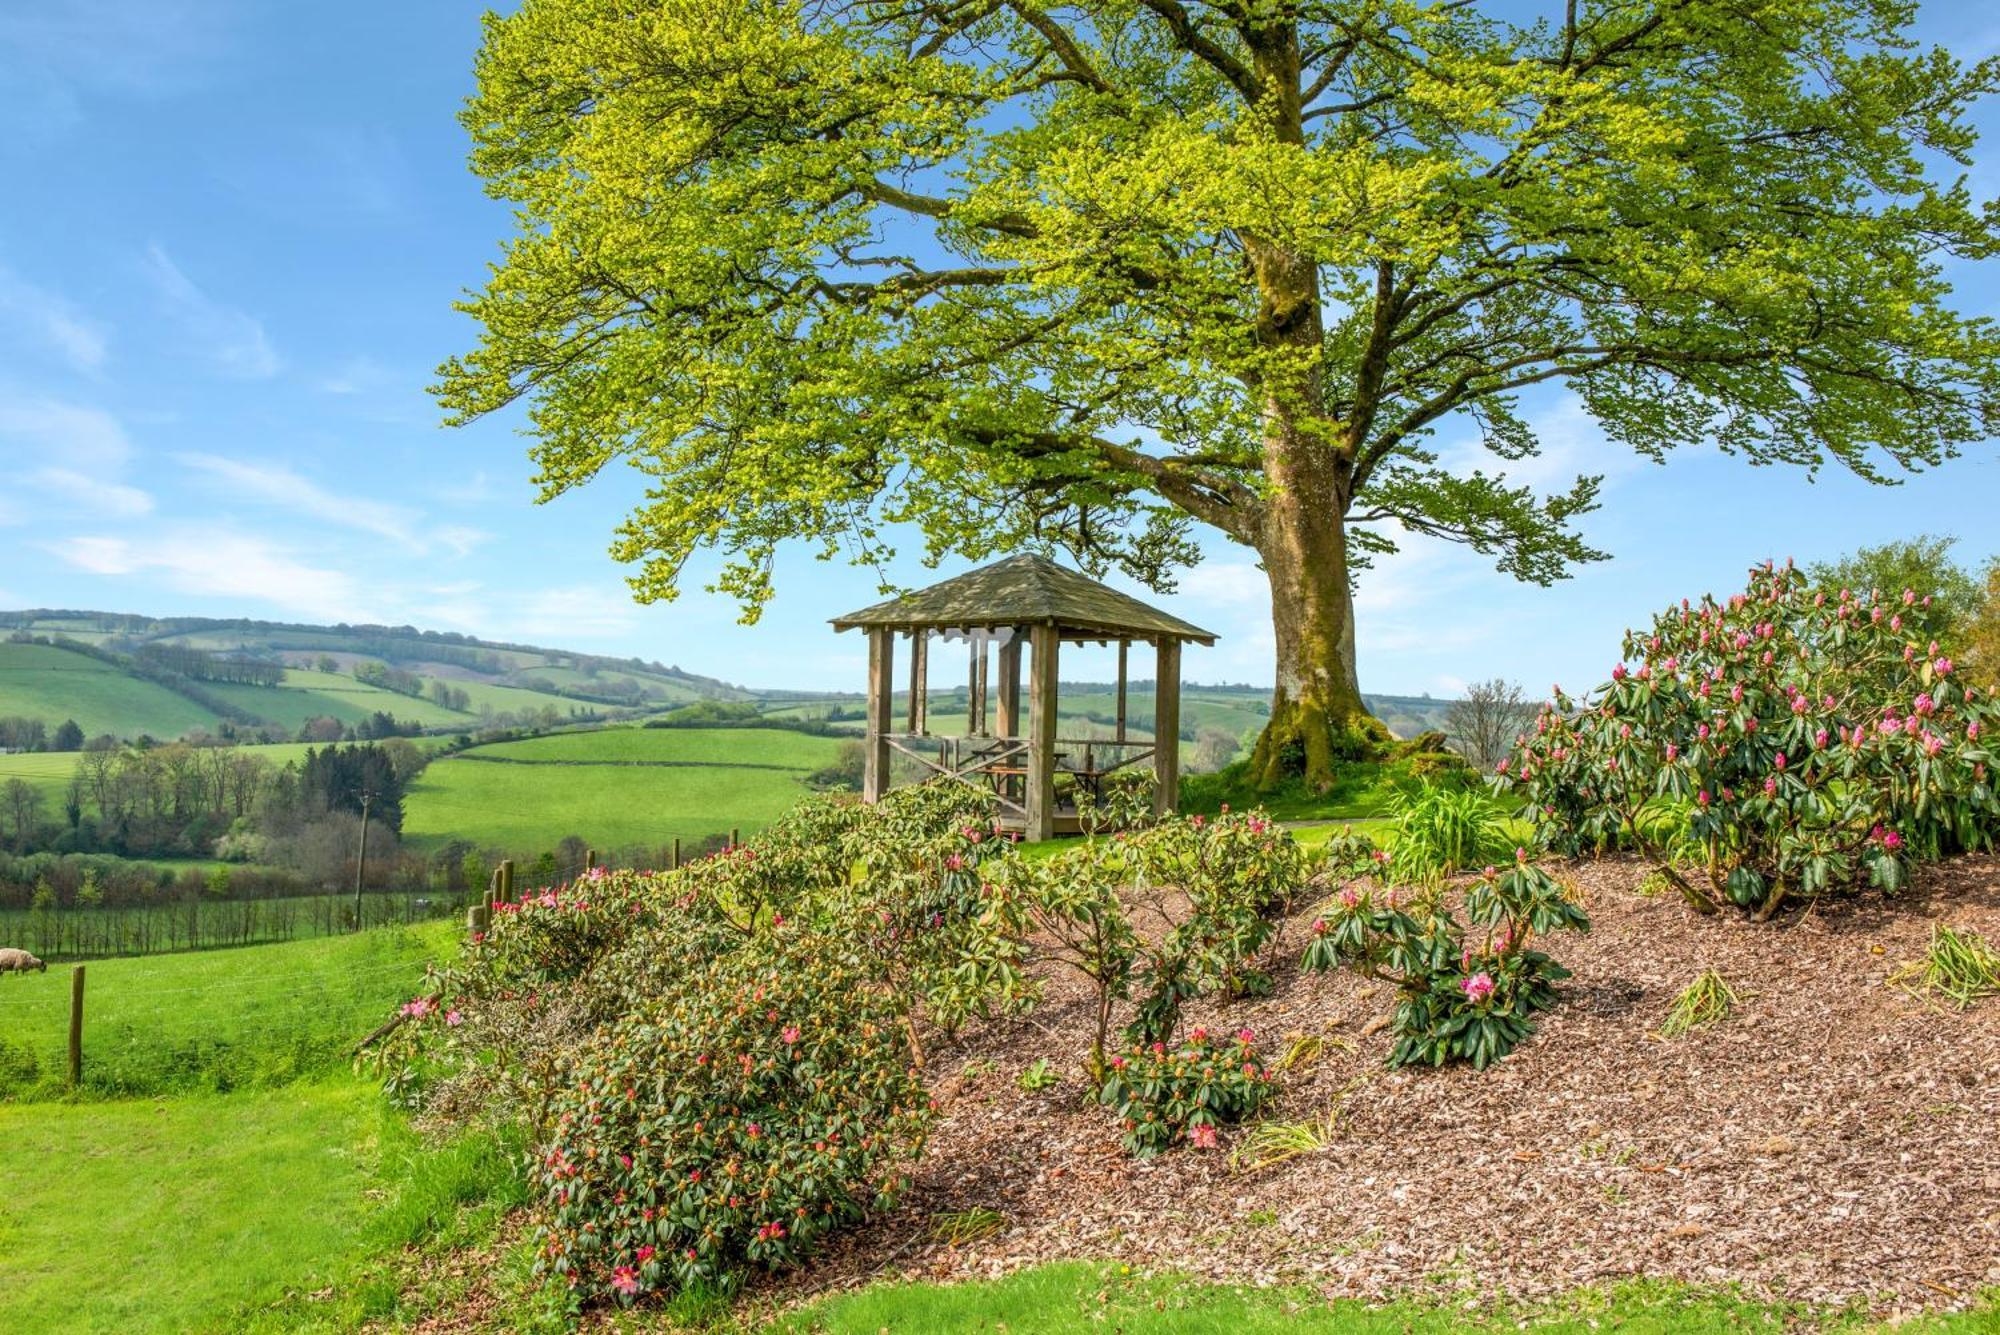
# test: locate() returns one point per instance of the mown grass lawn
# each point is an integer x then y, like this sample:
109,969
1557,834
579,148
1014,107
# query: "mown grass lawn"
1076,1297
169,1215
213,1019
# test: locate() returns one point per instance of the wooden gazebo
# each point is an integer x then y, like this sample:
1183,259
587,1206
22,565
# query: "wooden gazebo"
1022,602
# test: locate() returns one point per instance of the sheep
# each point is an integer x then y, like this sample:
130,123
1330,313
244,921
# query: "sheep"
20,961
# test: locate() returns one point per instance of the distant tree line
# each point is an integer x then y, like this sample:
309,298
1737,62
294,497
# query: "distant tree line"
200,665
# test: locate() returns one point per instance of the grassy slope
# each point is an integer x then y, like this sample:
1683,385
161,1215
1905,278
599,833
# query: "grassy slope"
527,807
1076,1296
51,684
307,694
215,1019
168,1215
50,770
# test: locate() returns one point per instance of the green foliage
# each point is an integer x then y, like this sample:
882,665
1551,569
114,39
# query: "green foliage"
1791,741
1208,891
1462,995
1037,1076
818,273
1707,1000
1440,832
1165,1096
1948,596
792,1099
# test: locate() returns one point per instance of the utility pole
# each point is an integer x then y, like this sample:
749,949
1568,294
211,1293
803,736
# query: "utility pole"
361,863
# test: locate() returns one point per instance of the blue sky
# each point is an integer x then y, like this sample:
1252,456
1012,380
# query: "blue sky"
230,239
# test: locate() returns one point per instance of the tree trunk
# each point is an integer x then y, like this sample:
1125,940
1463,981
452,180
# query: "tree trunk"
1317,718
1316,710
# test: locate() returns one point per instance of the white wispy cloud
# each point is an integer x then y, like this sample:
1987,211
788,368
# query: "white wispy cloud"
356,375
128,46
98,495
46,319
53,432
231,338
204,561
277,485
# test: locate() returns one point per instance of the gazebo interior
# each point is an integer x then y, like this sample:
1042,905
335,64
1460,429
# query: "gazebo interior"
1023,607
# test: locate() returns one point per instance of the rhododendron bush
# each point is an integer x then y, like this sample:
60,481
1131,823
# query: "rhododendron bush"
1156,917
732,1121
1168,1095
1466,993
1786,742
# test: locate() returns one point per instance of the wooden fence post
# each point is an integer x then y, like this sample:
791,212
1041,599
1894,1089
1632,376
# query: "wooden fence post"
76,1026
507,880
735,836
589,859
477,919
493,888
675,865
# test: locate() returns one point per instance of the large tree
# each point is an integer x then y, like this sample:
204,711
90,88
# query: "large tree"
1088,275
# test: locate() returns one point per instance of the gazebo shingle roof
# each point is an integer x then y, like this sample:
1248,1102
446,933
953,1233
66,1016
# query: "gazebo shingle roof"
1026,590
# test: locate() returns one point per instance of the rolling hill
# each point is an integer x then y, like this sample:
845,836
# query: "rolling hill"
130,676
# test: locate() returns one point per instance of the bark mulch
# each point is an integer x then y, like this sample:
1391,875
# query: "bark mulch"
1836,1140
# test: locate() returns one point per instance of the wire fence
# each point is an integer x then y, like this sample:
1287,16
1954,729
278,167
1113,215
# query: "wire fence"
224,1019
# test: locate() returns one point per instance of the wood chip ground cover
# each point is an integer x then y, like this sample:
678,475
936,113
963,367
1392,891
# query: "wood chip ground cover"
1834,1141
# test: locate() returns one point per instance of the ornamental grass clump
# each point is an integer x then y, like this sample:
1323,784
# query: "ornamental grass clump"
1707,1000
1787,743
1440,832
1464,993
1166,1096
1958,964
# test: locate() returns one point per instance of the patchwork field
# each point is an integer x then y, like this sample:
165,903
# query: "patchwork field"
43,682
613,787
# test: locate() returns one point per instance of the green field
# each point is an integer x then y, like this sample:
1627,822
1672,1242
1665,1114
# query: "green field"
308,694
43,682
613,787
50,771
212,1020
171,1215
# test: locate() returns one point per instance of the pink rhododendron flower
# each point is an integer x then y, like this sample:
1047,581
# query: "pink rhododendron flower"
1673,752
1924,705
1349,898
1246,1035
1819,740
1972,732
1618,673
1770,787
1932,743
418,1008
790,1034
1891,840
1736,694
1942,667
644,1254
453,1018
626,1280
1478,988
1202,1136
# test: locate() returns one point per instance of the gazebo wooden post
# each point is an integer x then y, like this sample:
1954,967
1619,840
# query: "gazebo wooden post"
1124,651
1167,726
881,689
1009,723
1044,642
919,684
975,687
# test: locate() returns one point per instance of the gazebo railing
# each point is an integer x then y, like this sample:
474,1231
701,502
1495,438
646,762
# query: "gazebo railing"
1000,764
